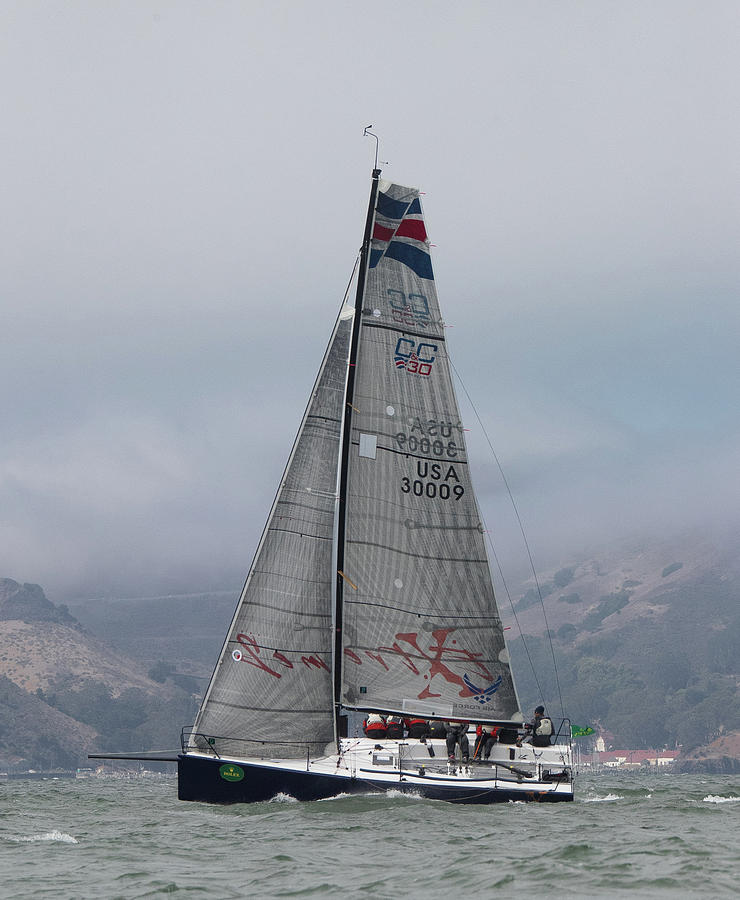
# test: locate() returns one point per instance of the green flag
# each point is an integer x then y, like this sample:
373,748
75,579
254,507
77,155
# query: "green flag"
578,731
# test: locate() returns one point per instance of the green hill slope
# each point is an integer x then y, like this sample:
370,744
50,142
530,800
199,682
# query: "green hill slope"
64,692
646,638
646,643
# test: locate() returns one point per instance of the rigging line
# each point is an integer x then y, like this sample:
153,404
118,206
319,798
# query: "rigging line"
349,283
511,604
521,529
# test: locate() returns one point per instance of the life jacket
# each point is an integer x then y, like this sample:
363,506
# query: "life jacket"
416,727
394,726
410,722
374,725
544,727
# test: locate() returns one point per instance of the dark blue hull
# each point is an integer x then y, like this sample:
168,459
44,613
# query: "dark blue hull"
213,781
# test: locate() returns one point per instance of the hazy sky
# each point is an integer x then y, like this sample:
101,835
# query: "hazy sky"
183,193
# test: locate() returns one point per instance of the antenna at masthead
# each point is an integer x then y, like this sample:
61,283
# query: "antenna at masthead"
368,133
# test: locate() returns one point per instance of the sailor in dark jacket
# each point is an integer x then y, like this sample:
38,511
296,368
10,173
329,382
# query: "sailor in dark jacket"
457,733
437,728
541,728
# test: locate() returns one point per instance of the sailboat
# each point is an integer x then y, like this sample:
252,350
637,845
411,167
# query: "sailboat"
370,590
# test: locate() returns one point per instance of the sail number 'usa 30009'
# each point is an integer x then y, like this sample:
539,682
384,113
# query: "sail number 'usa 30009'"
434,480
429,437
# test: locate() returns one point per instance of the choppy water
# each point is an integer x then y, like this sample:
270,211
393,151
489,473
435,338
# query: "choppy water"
103,837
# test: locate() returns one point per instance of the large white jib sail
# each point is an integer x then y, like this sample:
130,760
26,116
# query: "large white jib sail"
271,693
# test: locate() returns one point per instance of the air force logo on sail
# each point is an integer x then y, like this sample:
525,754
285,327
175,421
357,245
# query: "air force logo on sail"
415,358
483,695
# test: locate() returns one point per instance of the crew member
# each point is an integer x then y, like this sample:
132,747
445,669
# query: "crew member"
416,727
457,733
485,740
541,728
437,729
374,726
394,727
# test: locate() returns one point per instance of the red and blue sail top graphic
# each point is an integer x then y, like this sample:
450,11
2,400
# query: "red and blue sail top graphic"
399,234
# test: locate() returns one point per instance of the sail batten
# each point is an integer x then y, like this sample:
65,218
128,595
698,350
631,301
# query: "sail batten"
431,615
269,709
404,331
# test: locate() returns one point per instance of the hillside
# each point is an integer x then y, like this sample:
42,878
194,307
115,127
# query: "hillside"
37,658
65,693
28,603
646,641
186,631
35,735
646,638
638,582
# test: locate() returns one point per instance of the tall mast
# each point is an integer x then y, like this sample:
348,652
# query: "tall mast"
346,441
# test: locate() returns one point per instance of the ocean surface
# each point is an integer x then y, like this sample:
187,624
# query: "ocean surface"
129,837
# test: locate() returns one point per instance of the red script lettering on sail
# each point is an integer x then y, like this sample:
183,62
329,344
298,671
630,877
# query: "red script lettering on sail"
434,659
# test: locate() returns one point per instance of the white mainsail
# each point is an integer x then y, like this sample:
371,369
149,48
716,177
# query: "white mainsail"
421,632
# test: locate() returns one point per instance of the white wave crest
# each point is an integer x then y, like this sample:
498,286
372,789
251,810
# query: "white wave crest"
607,799
392,794
714,798
59,836
406,795
282,798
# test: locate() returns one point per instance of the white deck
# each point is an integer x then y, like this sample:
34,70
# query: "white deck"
411,761
407,763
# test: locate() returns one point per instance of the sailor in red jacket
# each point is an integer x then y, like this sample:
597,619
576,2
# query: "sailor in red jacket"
374,726
487,735
394,727
416,727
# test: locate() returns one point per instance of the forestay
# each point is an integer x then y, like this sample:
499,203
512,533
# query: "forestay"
420,629
273,680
